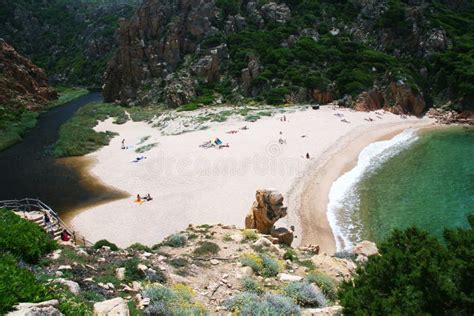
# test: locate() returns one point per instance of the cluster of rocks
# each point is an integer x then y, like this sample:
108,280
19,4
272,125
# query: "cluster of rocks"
444,116
22,84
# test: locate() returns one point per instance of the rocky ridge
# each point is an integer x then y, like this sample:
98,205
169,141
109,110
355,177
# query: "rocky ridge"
22,84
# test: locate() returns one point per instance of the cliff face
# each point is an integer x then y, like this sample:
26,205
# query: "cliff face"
383,54
22,84
153,44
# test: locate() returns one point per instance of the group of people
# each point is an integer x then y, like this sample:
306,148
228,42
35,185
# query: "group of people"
65,235
146,198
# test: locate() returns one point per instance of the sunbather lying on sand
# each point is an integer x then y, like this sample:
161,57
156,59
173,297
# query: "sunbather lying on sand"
244,128
224,146
345,121
232,132
139,158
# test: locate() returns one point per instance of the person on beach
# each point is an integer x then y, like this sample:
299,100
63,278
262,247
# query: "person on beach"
307,155
148,197
139,199
123,143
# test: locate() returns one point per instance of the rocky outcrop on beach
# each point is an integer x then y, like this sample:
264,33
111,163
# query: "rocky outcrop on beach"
397,98
447,116
22,84
267,209
46,308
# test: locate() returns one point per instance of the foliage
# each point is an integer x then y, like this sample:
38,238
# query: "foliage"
131,269
67,94
104,242
304,294
250,234
77,137
290,254
251,285
176,300
206,248
23,239
139,247
262,263
18,285
13,125
415,274
250,304
325,283
176,240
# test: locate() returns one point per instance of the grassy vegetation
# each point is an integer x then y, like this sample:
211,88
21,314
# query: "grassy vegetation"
176,300
77,137
16,121
262,264
67,94
206,248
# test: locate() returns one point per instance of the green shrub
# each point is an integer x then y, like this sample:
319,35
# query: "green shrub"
250,304
251,285
206,248
176,240
262,264
178,262
290,254
23,239
191,106
325,283
415,275
139,247
131,269
304,294
250,234
18,285
104,242
176,300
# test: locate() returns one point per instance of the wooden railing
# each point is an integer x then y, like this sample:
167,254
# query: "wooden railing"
29,205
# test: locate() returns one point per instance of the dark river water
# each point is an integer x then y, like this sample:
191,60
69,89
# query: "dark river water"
28,169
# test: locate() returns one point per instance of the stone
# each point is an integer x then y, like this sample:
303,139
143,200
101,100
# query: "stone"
136,286
46,308
265,211
65,267
55,254
325,311
366,248
72,286
113,307
284,277
58,273
262,242
245,272
214,262
339,269
120,274
279,13
21,81
238,238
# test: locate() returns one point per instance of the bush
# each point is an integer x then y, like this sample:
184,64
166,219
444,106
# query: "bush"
290,254
325,283
105,242
415,275
177,300
250,304
304,294
18,285
139,247
23,239
261,264
206,248
251,285
176,240
131,269
250,234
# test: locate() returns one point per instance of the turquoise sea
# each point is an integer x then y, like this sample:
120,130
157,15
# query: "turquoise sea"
422,178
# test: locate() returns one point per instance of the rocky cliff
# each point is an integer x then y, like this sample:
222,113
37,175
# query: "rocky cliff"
382,54
71,39
22,84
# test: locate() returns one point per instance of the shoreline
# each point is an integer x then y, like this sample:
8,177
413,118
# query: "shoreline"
192,185
315,188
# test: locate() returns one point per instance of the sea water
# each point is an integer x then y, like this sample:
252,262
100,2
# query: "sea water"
422,178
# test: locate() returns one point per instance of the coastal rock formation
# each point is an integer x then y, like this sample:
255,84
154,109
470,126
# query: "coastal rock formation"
364,250
397,97
46,308
22,84
154,43
265,212
340,269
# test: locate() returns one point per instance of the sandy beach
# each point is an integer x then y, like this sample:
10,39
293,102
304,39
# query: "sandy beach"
191,184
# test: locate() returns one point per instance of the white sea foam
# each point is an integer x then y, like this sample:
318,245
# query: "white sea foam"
343,199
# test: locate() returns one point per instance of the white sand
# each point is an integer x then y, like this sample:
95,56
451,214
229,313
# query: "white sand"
190,184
